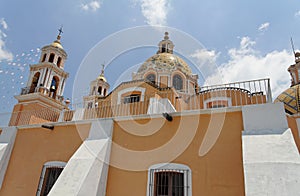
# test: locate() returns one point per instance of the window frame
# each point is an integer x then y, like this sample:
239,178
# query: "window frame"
170,167
44,57
58,62
132,98
51,164
51,58
178,81
214,100
131,90
151,78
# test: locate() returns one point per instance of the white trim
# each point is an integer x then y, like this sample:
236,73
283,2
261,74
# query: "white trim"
131,89
47,165
172,166
228,99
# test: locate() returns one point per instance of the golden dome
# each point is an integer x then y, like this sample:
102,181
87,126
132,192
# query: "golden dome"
290,98
57,44
166,61
101,77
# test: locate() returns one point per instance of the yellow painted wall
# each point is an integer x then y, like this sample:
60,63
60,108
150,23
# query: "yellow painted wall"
34,147
293,125
218,172
33,113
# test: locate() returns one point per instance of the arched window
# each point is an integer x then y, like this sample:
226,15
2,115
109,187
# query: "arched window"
58,61
51,58
177,82
163,48
104,92
35,81
50,173
169,179
100,90
151,78
44,57
54,86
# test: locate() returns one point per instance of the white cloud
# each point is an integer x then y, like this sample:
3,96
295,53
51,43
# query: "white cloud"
264,26
93,6
246,63
3,23
4,53
205,56
205,60
297,14
155,11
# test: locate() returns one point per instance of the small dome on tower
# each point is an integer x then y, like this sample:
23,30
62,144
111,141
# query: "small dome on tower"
290,98
101,77
57,43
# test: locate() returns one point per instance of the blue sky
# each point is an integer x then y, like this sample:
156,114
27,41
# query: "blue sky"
243,39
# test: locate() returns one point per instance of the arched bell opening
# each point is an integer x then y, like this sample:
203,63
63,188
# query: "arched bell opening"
54,87
34,82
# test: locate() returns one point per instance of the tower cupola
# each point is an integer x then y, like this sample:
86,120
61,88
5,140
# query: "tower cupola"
98,89
48,76
166,45
42,99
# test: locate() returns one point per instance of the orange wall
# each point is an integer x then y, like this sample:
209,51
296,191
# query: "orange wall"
32,113
293,125
34,147
219,172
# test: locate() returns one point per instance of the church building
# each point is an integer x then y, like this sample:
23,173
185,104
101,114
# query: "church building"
159,134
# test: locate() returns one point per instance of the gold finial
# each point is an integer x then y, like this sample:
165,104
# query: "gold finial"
101,76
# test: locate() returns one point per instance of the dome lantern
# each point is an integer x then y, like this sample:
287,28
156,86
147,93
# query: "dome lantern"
166,45
98,89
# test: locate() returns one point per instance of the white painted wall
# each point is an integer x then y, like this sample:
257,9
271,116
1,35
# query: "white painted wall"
87,170
271,165
7,140
270,156
269,116
159,106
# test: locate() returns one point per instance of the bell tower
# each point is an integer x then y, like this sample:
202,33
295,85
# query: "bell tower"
44,89
98,89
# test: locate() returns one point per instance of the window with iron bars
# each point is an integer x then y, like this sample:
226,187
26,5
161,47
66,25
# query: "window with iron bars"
168,182
50,173
131,99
